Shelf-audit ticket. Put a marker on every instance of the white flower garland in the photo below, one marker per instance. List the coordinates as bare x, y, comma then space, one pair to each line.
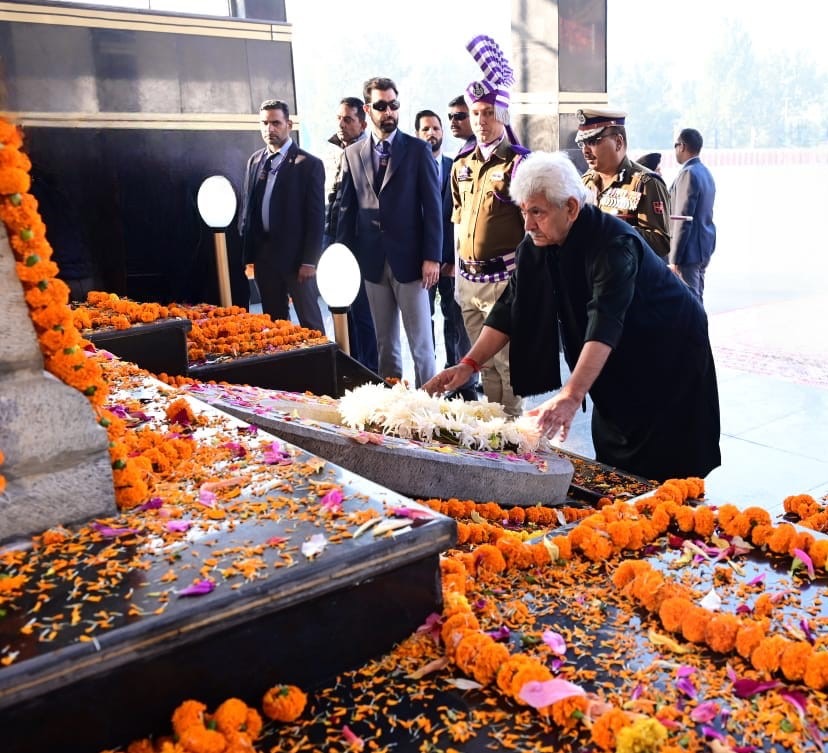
414, 414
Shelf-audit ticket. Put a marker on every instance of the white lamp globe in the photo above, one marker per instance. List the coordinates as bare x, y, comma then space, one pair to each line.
216, 201
338, 276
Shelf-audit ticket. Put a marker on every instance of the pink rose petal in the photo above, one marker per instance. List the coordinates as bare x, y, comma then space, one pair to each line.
539, 694
555, 641
199, 588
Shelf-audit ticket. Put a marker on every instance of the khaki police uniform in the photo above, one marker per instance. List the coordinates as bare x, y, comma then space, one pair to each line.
639, 198
490, 227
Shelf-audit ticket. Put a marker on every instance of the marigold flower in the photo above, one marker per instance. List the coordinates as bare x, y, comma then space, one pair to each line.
199, 739
531, 671
488, 662
606, 727
458, 622
141, 746
642, 736
704, 521
760, 534
768, 653
803, 505
284, 703
819, 553
794, 660
231, 715
188, 714
568, 712
816, 670
694, 624
564, 547
720, 633
627, 571
469, 645
509, 669
488, 561
597, 548
515, 553
620, 533
781, 541
672, 612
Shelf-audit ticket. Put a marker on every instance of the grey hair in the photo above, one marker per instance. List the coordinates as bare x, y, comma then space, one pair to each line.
551, 174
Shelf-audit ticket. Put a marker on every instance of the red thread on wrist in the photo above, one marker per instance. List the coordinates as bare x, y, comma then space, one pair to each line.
470, 362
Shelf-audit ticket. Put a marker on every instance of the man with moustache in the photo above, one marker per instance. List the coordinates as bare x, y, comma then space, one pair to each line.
390, 216
429, 128
281, 219
620, 186
351, 125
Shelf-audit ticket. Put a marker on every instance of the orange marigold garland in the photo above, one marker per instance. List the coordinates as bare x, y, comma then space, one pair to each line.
63, 348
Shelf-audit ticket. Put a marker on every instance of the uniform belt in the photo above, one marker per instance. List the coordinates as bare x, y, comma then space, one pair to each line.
484, 266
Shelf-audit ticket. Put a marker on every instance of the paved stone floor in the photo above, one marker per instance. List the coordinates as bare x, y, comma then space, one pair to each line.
772, 365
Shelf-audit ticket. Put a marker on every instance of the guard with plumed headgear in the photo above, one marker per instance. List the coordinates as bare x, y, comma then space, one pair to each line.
620, 186
491, 226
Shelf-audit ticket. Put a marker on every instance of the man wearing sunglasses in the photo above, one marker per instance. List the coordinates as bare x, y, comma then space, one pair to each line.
620, 186
460, 125
390, 215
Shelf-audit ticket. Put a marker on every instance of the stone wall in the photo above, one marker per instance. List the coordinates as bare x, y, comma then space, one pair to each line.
57, 463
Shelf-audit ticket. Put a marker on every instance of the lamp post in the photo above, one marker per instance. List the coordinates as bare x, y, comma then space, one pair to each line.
217, 205
338, 278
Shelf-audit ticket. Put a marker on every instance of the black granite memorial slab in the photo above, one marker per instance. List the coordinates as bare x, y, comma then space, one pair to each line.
321, 369
106, 639
159, 347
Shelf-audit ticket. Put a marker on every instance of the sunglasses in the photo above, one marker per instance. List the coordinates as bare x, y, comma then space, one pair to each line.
457, 115
591, 142
382, 105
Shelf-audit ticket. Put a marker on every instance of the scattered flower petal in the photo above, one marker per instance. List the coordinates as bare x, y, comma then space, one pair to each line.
555, 641
199, 588
801, 558
314, 546
539, 694
712, 601
746, 688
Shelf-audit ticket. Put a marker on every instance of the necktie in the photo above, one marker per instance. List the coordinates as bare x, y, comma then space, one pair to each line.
384, 151
267, 179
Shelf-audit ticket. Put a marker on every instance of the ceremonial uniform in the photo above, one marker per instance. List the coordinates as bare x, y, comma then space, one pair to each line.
490, 227
638, 197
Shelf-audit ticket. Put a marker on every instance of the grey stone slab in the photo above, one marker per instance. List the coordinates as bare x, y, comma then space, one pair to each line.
37, 501
56, 465
18, 344
421, 470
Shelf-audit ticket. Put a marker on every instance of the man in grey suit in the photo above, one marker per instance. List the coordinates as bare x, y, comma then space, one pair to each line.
390, 215
693, 235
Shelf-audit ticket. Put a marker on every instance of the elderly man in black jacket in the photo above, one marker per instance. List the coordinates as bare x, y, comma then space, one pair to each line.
634, 336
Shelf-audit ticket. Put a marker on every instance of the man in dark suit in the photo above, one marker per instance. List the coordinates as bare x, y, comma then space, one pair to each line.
390, 216
429, 128
693, 236
281, 219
